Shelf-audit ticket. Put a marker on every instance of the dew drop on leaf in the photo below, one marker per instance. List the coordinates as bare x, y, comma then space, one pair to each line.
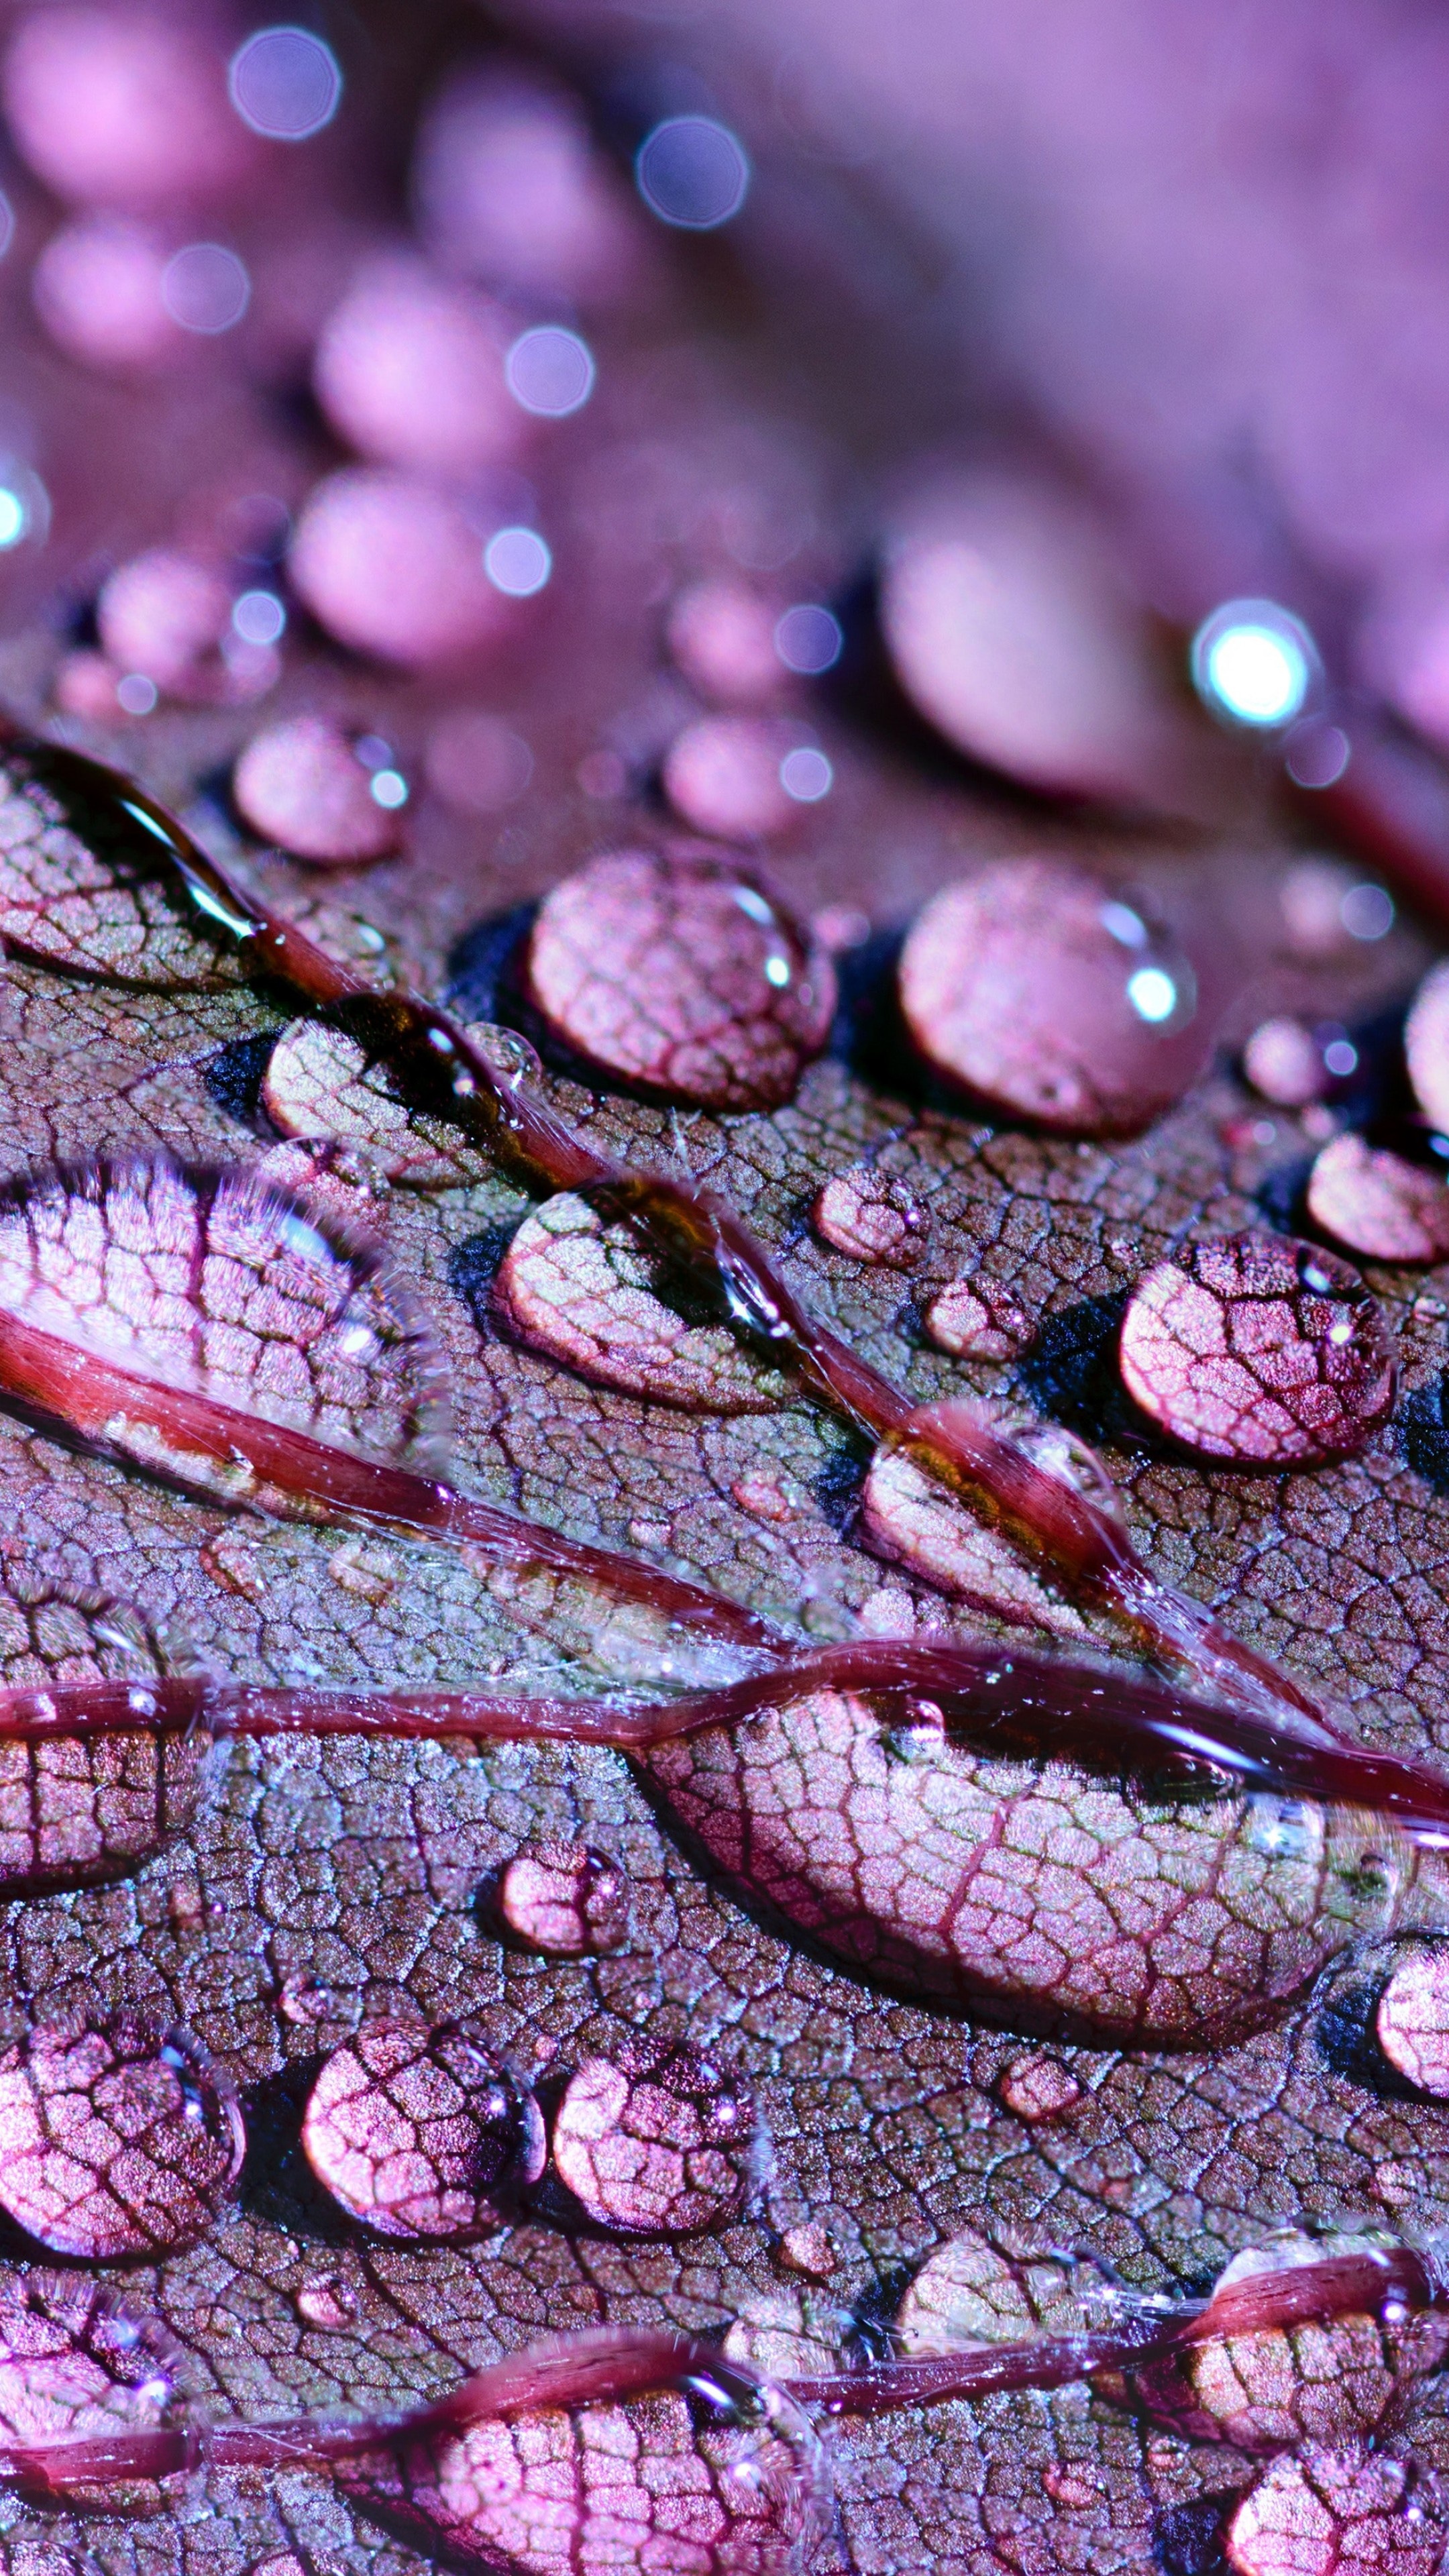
1426, 1045
675, 973
1377, 1204
77, 2363
972, 1318
872, 1216
300, 784
1411, 2019
115, 2140
564, 1899
321, 1082
656, 2141
1048, 997
1259, 1348
1334, 2512
581, 1289
421, 2133
911, 1518
723, 775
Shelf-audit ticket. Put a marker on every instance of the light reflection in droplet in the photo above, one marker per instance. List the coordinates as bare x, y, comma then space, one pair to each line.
1367, 912
1253, 662
24, 505
389, 789
136, 694
806, 775
1152, 993
259, 617
285, 83
808, 639
205, 288
550, 371
1124, 925
692, 173
517, 562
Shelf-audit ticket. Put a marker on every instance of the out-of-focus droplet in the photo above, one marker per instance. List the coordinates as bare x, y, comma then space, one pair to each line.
475, 762
410, 370
517, 561
806, 775
722, 635
1259, 1348
677, 973
115, 2140
808, 639
164, 615
1010, 632
392, 567
1327, 907
724, 775
693, 173
1038, 2087
1049, 997
421, 2133
872, 1216
78, 2363
1378, 1205
97, 290
121, 107
1334, 2512
974, 1318
583, 1290
1254, 663
510, 190
1426, 1046
205, 288
550, 371
656, 2142
301, 784
285, 83
1411, 2019
564, 1899
1284, 1063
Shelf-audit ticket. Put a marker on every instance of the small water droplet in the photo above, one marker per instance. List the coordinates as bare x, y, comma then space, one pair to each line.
328, 2304
1038, 2087
872, 1216
564, 1899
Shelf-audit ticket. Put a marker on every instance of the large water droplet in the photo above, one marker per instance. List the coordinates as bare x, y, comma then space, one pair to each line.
1048, 997
116, 2140
582, 1290
657, 2141
421, 2132
1335, 2512
322, 1082
677, 974
1255, 1347
1377, 1204
1411, 2019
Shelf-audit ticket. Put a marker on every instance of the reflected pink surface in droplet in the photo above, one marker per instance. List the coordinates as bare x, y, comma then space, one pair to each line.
165, 614
302, 785
421, 2133
508, 189
98, 290
409, 370
1284, 1063
974, 1318
723, 775
677, 973
118, 2140
871, 1216
722, 635
656, 2141
1259, 1348
1049, 997
121, 106
392, 567
564, 1899
1330, 2512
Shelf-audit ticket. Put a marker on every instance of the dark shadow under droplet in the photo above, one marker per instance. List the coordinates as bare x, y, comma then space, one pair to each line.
277, 2183
1424, 1435
838, 1482
1188, 2539
1071, 1371
472, 1268
483, 971
234, 1077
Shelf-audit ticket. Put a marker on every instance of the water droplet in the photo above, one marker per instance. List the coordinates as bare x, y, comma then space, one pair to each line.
121, 109
78, 2363
164, 616
909, 1515
1284, 1063
807, 2249
656, 2141
1330, 2511
1254, 663
322, 1082
722, 635
421, 2133
968, 2292
327, 2304
725, 775
1041, 1892
115, 2140
391, 566
301, 784
303, 2000
974, 1318
1259, 1348
1015, 985
1010, 630
410, 371
1411, 2020
871, 1215
581, 1290
1038, 2088
1377, 1204
1426, 1046
693, 173
653, 969
564, 1899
